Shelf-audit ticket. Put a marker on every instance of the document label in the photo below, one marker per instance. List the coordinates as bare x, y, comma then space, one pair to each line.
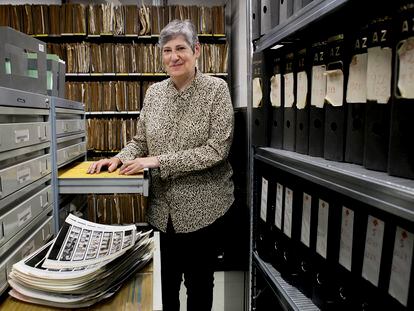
263, 200
301, 89
318, 91
373, 249
347, 234
335, 87
322, 236
401, 265
379, 74
306, 219
356, 91
257, 93
279, 205
406, 69
289, 95
287, 223
275, 88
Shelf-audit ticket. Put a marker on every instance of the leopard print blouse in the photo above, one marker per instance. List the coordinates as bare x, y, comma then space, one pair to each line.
190, 132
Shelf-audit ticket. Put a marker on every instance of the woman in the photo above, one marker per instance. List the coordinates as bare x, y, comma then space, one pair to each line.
184, 135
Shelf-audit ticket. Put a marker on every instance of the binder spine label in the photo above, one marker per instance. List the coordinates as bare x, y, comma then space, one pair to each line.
345, 245
379, 70
306, 219
335, 87
322, 232
275, 91
373, 249
401, 265
279, 205
318, 86
263, 200
289, 95
287, 219
301, 89
356, 91
405, 55
379, 64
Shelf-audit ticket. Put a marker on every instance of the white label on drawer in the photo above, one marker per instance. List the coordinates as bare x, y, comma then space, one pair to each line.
373, 250
24, 216
41, 48
318, 90
279, 205
401, 265
263, 200
23, 175
21, 136
347, 233
306, 219
322, 236
28, 249
287, 224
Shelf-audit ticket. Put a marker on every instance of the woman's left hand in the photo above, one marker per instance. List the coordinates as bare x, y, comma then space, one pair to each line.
136, 165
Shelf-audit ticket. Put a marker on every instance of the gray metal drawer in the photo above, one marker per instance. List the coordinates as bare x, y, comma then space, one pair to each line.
20, 175
71, 152
36, 240
70, 126
17, 218
17, 135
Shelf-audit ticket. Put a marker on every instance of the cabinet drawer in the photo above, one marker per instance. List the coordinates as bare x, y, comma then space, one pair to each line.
70, 126
20, 175
16, 219
71, 152
36, 240
17, 135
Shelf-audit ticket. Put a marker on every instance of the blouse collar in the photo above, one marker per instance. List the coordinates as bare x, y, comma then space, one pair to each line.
187, 92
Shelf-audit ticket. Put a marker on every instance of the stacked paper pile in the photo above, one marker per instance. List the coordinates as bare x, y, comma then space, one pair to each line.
85, 263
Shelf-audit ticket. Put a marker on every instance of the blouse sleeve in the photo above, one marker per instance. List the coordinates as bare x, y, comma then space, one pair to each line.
137, 147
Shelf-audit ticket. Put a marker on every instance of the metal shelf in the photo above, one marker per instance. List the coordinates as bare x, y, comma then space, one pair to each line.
290, 298
391, 194
99, 113
310, 13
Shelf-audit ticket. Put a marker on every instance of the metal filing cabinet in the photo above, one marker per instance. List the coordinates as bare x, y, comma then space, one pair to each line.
69, 145
26, 198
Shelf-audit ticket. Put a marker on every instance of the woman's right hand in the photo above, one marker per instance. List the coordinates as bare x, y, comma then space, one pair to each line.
111, 163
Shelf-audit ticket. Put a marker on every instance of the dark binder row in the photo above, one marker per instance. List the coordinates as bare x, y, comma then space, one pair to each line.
341, 253
345, 95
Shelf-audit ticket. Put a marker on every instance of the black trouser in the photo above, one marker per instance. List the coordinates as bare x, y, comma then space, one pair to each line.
193, 255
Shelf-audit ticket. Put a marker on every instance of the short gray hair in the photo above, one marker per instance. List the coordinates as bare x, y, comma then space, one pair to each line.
177, 28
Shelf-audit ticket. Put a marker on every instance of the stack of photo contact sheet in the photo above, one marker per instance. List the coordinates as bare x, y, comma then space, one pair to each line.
84, 264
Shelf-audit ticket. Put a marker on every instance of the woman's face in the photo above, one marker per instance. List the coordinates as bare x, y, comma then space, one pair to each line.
178, 57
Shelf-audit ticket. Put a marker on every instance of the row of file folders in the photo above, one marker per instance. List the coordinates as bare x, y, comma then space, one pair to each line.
346, 97
108, 96
88, 57
108, 19
341, 253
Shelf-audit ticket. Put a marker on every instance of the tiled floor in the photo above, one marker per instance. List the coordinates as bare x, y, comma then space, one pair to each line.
228, 292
